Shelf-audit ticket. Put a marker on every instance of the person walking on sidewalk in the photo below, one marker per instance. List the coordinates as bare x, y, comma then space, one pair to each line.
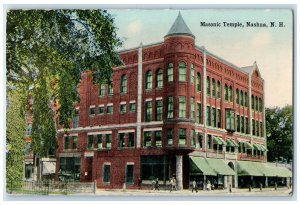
194, 184
172, 184
156, 184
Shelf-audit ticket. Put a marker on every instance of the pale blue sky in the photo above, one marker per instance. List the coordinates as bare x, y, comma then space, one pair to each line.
271, 48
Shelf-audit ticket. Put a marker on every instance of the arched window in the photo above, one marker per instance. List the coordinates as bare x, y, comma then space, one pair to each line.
123, 87
159, 78
219, 89
230, 94
226, 92
213, 89
246, 100
170, 72
242, 98
237, 93
192, 74
208, 86
182, 72
198, 82
148, 80
252, 102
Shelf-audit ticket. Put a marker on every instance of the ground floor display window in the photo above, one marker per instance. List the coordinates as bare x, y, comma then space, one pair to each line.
69, 169
153, 167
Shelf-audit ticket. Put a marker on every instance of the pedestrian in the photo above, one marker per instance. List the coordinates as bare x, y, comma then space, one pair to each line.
208, 186
174, 184
153, 184
171, 184
140, 183
156, 184
194, 184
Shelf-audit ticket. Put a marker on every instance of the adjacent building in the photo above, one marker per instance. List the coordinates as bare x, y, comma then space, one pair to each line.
173, 109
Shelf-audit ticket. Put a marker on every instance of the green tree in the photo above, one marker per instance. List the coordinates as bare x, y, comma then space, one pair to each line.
15, 130
60, 41
43, 124
279, 127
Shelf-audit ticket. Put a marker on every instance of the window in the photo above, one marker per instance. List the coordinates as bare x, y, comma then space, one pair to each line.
238, 125
182, 72
230, 94
102, 90
260, 105
213, 88
109, 109
170, 72
182, 137
147, 139
110, 90
121, 140
132, 107
159, 78
198, 118
242, 98
256, 129
123, 87
237, 93
90, 142
229, 115
253, 127
198, 82
209, 141
182, 106
192, 138
101, 110
170, 136
148, 113
170, 107
252, 102
148, 80
208, 86
99, 144
242, 123
106, 173
108, 141
157, 135
131, 139
200, 138
219, 118
70, 166
158, 114
261, 129
92, 111
256, 103
192, 74
192, 108
129, 173
154, 166
247, 125
246, 100
213, 119
75, 119
66, 142
122, 108
226, 92
218, 89
208, 116
74, 142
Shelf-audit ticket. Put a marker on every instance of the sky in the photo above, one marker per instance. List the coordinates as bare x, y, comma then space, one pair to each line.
271, 48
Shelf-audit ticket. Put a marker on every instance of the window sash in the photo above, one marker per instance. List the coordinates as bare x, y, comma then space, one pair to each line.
182, 72
198, 82
66, 142
106, 173
100, 110
192, 74
132, 107
149, 80
170, 108
148, 113
157, 135
170, 136
147, 139
192, 108
182, 107
170, 72
90, 143
123, 84
182, 136
159, 79
158, 110
109, 109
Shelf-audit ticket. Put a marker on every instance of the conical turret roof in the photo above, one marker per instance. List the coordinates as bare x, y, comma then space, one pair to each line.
179, 27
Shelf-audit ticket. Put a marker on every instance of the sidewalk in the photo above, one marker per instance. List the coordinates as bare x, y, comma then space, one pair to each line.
235, 192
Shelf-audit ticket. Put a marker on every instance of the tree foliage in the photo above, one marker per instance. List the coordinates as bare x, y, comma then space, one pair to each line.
279, 127
64, 42
15, 129
43, 127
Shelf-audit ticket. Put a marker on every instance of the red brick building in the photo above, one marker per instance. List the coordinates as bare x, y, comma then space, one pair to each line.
173, 109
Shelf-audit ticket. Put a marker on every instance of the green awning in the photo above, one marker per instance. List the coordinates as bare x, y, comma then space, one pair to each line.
257, 147
246, 168
219, 140
248, 145
231, 143
263, 148
200, 166
219, 166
